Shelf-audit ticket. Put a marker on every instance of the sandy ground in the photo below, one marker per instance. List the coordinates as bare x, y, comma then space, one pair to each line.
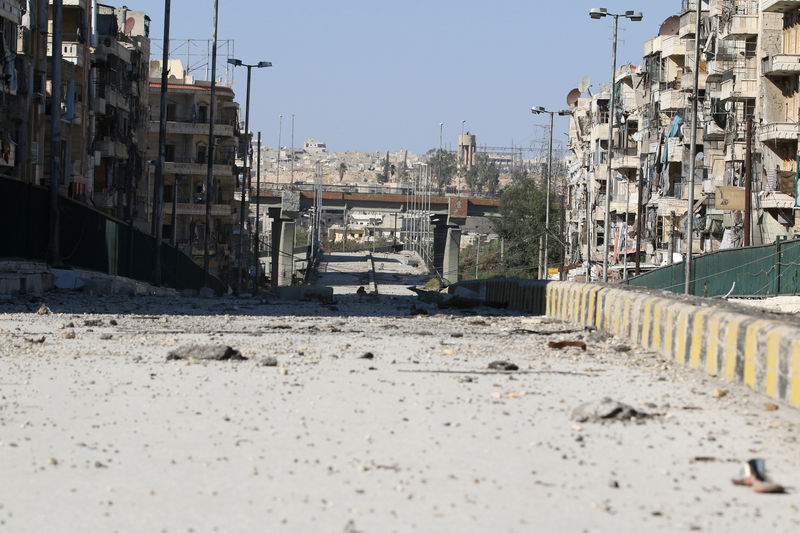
778, 304
101, 433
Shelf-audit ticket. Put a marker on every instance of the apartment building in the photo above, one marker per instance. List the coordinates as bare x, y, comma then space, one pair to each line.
185, 170
749, 78
121, 105
13, 101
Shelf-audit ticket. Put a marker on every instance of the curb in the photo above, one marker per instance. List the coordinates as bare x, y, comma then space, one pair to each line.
740, 345
753, 349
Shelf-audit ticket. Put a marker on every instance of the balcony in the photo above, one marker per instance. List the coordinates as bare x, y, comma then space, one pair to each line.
109, 148
672, 46
600, 131
198, 209
672, 100
193, 128
779, 6
740, 84
735, 152
191, 168
114, 98
781, 65
675, 150
740, 27
72, 52
778, 131
625, 160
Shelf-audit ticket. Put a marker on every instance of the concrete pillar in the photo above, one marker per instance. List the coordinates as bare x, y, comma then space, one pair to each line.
439, 223
451, 252
286, 255
275, 245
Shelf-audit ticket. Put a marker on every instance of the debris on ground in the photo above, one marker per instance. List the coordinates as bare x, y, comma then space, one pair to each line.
606, 410
769, 406
269, 361
621, 348
44, 310
205, 352
68, 333
558, 345
368, 355
720, 393
505, 366
754, 474
361, 291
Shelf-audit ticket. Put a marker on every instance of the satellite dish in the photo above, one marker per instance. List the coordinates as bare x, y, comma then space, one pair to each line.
637, 136
700, 157
573, 96
671, 26
584, 83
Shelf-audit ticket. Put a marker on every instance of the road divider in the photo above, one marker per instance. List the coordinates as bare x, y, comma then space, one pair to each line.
742, 345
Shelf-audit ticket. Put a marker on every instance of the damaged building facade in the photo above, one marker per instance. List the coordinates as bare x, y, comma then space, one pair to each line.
186, 166
749, 75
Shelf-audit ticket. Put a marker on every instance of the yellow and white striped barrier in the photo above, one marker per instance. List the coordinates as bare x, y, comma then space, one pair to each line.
740, 346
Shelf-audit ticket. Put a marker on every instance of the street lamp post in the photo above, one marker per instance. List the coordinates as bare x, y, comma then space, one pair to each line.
635, 16
561, 113
246, 178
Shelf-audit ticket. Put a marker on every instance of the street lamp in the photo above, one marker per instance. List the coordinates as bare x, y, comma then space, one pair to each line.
246, 178
538, 110
634, 16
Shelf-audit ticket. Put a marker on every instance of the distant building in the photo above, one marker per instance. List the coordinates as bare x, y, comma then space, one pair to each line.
315, 147
186, 165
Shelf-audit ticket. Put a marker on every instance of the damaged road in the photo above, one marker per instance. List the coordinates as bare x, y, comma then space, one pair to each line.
420, 435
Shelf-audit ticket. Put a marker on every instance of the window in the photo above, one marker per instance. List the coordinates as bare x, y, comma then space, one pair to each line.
169, 152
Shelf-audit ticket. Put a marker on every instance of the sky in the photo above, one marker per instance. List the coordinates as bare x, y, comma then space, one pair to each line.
375, 76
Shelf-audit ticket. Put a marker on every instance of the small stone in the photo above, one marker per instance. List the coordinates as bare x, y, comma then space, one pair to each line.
505, 366
606, 410
44, 310
269, 361
622, 348
112, 322
283, 371
368, 355
614, 484
769, 406
205, 352
105, 336
720, 393
68, 334
447, 351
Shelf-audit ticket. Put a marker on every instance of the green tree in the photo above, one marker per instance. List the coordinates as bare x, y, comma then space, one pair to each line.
383, 177
521, 222
342, 170
484, 175
444, 165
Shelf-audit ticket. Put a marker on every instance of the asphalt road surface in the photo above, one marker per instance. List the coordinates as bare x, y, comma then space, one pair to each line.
377, 418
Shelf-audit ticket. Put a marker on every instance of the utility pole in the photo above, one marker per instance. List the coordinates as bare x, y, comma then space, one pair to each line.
291, 173
256, 243
278, 166
210, 172
635, 16
611, 116
55, 132
639, 221
693, 154
748, 181
158, 186
477, 254
245, 183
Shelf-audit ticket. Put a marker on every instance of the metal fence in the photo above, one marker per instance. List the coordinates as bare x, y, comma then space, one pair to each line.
89, 239
756, 271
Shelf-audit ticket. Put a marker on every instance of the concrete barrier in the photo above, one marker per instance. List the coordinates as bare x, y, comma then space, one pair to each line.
742, 345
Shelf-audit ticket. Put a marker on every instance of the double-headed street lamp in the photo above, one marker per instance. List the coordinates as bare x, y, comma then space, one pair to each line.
562, 113
246, 178
635, 16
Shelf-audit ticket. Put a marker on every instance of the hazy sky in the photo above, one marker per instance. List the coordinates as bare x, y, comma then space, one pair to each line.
376, 76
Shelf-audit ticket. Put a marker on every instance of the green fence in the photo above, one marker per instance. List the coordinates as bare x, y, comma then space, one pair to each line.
756, 271
89, 239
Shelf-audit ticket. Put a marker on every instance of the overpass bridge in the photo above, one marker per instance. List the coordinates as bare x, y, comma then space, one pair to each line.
377, 199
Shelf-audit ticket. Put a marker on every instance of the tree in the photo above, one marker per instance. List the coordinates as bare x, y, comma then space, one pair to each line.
521, 222
342, 170
483, 176
444, 166
383, 177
